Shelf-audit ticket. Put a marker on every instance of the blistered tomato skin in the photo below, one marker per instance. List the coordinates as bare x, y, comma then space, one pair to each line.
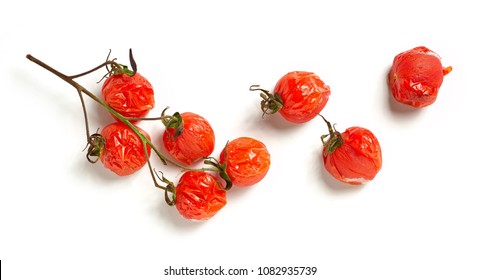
247, 161
196, 141
198, 196
416, 76
131, 96
303, 94
353, 157
358, 160
123, 152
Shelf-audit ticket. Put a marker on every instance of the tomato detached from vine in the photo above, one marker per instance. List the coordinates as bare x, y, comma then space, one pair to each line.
299, 96
123, 151
354, 156
246, 161
188, 137
416, 76
199, 195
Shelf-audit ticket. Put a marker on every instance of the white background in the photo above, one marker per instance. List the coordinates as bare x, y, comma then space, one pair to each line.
63, 218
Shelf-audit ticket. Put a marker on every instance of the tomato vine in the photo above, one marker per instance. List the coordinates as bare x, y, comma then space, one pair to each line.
198, 194
95, 140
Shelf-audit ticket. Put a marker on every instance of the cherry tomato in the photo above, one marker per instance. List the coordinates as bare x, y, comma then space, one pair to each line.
131, 96
354, 156
189, 138
123, 152
299, 96
198, 195
247, 161
416, 76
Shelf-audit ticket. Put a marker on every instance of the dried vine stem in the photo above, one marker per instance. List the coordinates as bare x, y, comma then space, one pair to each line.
169, 188
82, 90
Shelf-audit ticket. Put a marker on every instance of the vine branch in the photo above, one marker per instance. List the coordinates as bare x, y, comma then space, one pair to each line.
80, 89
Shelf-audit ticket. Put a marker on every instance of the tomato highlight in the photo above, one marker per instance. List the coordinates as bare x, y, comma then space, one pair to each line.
247, 161
354, 156
131, 96
123, 152
188, 137
299, 96
198, 195
416, 76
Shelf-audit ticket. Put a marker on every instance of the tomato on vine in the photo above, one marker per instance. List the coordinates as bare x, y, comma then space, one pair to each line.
299, 96
246, 161
416, 76
188, 137
123, 151
199, 195
353, 156
128, 92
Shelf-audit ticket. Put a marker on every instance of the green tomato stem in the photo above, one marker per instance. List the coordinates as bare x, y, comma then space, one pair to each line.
335, 139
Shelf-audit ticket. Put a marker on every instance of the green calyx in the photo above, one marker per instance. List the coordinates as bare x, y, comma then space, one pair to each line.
221, 168
271, 103
175, 121
122, 69
334, 141
96, 146
170, 190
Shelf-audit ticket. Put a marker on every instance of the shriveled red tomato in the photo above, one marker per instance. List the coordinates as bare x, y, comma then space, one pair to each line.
198, 195
247, 161
131, 96
188, 137
298, 96
416, 76
123, 152
353, 156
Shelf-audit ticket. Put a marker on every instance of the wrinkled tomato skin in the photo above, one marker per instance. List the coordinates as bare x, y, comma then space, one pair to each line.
303, 94
196, 141
123, 153
198, 196
247, 161
358, 160
416, 76
131, 96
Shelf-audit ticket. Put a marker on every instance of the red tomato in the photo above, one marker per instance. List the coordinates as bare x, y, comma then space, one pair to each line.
131, 96
194, 141
299, 96
198, 195
354, 156
247, 161
416, 76
123, 152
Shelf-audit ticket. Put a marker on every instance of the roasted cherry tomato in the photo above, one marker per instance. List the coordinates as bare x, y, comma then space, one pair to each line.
188, 137
416, 76
354, 156
123, 152
247, 161
299, 96
198, 195
131, 96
